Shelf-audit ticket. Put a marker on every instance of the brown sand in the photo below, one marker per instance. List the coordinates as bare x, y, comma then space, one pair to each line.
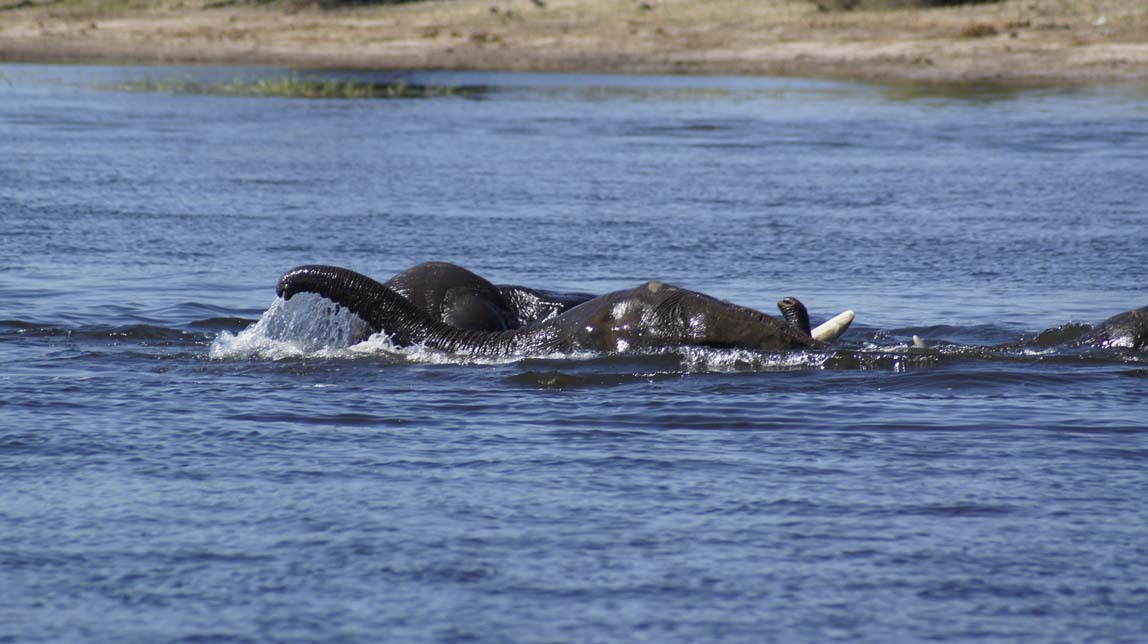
1016, 42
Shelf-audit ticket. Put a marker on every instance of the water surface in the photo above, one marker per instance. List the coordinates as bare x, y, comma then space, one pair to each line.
169, 476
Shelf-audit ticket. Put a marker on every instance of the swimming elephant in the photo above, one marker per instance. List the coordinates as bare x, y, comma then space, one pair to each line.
1123, 330
653, 315
1128, 329
463, 299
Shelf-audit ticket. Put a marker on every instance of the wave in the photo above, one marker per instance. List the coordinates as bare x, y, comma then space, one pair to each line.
309, 326
91, 332
198, 330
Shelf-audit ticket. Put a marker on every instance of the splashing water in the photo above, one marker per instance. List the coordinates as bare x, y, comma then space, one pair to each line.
310, 326
709, 360
305, 325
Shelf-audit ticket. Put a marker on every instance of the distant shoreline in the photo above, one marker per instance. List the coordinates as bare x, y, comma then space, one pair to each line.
1026, 42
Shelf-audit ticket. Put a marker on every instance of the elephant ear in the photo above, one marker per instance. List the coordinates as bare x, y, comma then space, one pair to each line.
534, 305
466, 309
454, 295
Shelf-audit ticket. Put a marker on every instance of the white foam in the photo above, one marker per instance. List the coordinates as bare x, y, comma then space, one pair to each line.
310, 326
1120, 341
708, 360
305, 325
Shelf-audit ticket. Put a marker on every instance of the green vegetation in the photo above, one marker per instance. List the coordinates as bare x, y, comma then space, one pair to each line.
108, 6
322, 4
119, 6
295, 87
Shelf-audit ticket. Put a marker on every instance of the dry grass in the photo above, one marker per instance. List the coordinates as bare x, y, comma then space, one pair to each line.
978, 30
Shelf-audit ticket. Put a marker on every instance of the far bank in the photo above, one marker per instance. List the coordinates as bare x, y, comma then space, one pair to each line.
1023, 42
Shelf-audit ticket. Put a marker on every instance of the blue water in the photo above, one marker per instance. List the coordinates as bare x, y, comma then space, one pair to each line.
168, 472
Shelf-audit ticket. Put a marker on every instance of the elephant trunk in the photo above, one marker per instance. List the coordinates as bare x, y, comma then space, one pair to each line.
385, 310
795, 313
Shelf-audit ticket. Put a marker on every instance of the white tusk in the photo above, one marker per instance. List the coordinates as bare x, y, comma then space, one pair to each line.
831, 330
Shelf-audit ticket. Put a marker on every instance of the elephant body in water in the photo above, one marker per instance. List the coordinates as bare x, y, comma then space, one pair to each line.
462, 299
447, 308
1128, 329
450, 308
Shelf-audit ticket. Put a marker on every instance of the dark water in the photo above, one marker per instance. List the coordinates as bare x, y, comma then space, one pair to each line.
166, 475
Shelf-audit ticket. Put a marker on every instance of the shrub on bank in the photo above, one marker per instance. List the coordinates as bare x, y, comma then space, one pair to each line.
880, 5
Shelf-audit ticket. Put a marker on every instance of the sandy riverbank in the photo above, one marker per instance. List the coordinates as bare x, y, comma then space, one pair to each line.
1016, 41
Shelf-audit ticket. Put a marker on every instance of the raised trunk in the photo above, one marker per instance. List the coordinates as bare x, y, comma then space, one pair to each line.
387, 311
795, 313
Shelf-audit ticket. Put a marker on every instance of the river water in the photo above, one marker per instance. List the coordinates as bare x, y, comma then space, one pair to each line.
168, 473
